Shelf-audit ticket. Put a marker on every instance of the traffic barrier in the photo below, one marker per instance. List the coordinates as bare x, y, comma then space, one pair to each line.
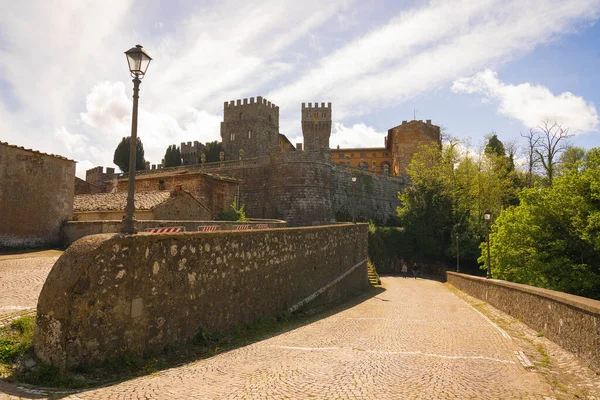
242, 227
208, 228
165, 230
262, 226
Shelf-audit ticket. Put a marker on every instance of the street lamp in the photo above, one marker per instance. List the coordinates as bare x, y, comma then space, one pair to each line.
138, 61
487, 215
353, 185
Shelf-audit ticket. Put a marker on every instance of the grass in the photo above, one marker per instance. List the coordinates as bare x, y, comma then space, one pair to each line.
16, 342
16, 339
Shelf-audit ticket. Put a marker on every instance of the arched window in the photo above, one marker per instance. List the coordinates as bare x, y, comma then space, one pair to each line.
250, 134
385, 168
241, 116
269, 117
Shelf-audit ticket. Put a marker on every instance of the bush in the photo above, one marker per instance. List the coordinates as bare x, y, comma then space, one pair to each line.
234, 213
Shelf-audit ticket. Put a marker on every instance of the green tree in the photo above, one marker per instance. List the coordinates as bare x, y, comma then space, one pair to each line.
552, 239
212, 150
173, 156
234, 213
495, 146
121, 155
571, 158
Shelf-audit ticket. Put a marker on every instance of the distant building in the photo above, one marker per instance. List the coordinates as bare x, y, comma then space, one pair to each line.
190, 153
152, 205
97, 177
401, 143
214, 191
84, 187
36, 196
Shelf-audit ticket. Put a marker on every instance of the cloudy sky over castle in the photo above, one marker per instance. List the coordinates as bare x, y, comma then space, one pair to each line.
470, 66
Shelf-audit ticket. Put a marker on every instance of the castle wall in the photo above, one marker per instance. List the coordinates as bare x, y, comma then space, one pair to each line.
406, 139
36, 196
372, 196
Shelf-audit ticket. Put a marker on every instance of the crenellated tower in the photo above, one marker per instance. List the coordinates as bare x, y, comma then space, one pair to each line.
316, 126
249, 125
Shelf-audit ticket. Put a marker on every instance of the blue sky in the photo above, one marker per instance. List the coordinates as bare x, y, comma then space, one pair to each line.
471, 66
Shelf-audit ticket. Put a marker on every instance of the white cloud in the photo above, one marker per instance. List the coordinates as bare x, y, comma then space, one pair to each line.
427, 47
531, 104
357, 135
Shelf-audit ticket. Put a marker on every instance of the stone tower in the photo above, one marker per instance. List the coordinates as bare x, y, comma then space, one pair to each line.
190, 153
252, 126
316, 126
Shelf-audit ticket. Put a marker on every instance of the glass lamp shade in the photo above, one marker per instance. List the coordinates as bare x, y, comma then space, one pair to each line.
487, 215
138, 60
353, 179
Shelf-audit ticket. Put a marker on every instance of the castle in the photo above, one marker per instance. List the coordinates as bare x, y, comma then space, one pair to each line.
309, 183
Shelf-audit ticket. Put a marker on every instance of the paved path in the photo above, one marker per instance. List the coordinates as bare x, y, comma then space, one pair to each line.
21, 281
415, 340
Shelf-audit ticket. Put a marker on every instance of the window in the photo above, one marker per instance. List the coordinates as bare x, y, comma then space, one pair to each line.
363, 155
374, 154
241, 116
352, 155
341, 155
250, 134
385, 154
232, 136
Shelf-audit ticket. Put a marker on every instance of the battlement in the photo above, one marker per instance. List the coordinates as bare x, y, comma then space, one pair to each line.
249, 102
316, 106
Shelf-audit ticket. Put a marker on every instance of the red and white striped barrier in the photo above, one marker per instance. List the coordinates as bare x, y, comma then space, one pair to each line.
208, 228
164, 230
242, 227
262, 226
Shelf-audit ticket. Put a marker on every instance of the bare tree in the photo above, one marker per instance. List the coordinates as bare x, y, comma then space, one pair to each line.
532, 158
551, 144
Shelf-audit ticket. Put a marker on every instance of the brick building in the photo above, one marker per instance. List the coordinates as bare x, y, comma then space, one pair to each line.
36, 196
215, 192
401, 143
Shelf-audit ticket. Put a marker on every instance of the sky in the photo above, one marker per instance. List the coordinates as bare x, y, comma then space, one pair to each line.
471, 66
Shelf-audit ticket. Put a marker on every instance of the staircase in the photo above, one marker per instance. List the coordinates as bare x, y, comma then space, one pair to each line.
372, 273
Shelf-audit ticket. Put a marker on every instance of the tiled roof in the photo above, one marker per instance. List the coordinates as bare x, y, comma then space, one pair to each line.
117, 201
35, 151
185, 173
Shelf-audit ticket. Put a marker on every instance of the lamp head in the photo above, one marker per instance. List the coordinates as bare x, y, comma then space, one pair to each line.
138, 61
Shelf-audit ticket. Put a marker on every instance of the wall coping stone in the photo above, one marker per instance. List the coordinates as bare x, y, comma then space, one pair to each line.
590, 305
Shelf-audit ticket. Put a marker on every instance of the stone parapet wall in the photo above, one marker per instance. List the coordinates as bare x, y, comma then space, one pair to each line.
74, 230
114, 294
572, 322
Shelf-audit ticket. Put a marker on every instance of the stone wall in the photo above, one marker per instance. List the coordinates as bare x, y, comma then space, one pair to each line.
83, 187
74, 230
373, 196
114, 294
36, 196
571, 321
182, 207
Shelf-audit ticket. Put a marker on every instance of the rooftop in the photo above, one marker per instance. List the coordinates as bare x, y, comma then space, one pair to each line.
117, 201
35, 151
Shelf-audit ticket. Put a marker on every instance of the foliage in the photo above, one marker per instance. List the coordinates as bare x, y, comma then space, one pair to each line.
385, 244
495, 146
212, 151
234, 213
121, 156
16, 338
173, 156
552, 239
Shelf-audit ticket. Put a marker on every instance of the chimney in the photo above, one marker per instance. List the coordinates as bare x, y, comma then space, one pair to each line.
428, 122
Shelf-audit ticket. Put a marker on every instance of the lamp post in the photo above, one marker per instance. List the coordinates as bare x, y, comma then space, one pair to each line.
353, 185
488, 216
138, 61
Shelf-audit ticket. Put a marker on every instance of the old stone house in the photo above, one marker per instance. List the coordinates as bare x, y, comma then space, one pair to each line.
149, 205
36, 196
214, 191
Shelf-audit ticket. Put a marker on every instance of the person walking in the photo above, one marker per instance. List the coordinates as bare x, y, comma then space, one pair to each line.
415, 269
404, 269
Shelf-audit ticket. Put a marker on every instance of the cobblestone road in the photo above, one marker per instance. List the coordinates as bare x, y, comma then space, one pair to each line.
21, 281
414, 340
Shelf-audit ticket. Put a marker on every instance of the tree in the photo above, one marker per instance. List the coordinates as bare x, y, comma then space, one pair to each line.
173, 156
552, 239
532, 157
121, 156
571, 158
212, 150
495, 146
551, 144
